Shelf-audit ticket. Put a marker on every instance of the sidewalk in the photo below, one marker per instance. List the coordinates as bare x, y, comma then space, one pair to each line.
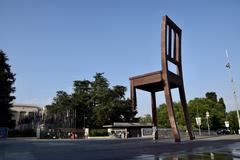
121, 149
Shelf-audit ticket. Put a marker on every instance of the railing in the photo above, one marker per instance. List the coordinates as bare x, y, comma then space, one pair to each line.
167, 133
61, 133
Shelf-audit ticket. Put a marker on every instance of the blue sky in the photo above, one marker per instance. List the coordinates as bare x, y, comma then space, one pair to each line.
52, 43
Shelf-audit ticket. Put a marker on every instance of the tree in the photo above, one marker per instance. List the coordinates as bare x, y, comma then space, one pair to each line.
92, 104
100, 97
199, 107
110, 104
100, 89
146, 119
81, 102
233, 121
162, 116
212, 96
221, 102
163, 119
7, 79
59, 113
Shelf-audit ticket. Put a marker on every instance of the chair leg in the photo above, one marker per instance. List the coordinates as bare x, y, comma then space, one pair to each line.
133, 96
171, 114
186, 113
154, 115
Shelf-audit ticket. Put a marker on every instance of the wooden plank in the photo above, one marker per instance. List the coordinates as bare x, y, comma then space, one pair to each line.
154, 112
174, 61
169, 42
147, 79
172, 24
186, 113
171, 114
174, 46
133, 96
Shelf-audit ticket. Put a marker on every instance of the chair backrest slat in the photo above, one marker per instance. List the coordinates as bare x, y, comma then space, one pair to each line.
174, 45
171, 45
169, 42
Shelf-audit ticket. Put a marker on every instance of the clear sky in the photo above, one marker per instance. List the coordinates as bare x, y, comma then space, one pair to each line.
51, 43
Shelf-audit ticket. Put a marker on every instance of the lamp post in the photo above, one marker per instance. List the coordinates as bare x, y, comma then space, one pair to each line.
234, 90
199, 122
207, 117
227, 124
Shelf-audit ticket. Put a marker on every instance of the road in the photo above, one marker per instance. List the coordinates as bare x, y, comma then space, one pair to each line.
225, 147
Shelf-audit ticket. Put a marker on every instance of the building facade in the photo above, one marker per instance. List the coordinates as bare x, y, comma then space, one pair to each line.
26, 116
129, 129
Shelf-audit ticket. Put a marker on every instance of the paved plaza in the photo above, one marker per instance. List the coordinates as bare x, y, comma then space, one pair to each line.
226, 147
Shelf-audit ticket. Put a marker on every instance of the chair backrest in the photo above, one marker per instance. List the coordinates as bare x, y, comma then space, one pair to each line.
170, 45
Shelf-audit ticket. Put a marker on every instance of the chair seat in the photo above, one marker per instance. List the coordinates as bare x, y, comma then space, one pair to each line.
153, 81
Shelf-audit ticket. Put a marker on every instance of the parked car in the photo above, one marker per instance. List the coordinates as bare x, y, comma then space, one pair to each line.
223, 131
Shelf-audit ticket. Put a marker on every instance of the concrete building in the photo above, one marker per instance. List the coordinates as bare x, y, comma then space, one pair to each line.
25, 116
126, 130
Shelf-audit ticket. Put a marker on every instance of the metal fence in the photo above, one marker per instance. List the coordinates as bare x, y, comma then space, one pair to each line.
167, 133
61, 133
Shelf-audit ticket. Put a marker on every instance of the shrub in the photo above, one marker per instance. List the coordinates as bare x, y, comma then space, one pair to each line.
98, 132
22, 133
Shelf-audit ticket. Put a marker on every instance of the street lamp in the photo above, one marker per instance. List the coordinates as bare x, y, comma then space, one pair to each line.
198, 121
207, 117
227, 124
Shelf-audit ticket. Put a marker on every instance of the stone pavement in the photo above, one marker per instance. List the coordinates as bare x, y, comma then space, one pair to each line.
120, 149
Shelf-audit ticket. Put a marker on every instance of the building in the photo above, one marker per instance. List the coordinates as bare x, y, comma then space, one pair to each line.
26, 116
125, 130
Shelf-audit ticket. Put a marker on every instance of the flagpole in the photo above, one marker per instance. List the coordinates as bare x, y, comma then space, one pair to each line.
228, 65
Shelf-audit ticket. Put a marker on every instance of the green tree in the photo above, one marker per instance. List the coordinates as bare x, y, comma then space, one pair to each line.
162, 116
233, 121
147, 118
7, 79
100, 89
119, 108
60, 113
212, 96
110, 103
100, 97
92, 104
81, 102
221, 102
199, 107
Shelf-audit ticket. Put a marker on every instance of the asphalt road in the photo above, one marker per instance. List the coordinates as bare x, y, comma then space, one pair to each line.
221, 147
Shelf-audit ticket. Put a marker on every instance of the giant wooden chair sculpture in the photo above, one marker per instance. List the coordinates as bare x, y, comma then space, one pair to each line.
165, 79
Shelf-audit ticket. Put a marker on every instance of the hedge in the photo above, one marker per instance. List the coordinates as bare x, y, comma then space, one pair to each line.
98, 132
22, 133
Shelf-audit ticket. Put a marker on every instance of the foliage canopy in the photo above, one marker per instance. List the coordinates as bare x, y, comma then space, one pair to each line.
92, 104
197, 107
7, 79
